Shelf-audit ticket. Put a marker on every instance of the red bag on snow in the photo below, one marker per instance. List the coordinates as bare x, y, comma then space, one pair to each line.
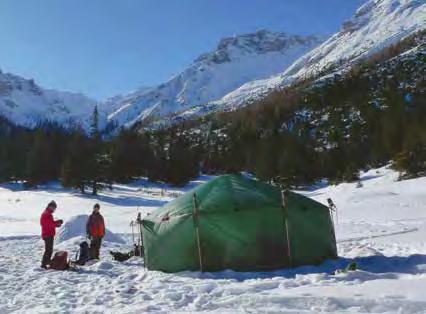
59, 261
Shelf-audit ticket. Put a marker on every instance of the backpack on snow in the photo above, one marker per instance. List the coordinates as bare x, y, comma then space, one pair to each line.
60, 261
82, 255
121, 257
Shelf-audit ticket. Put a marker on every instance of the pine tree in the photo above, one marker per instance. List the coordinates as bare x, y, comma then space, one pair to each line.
39, 166
182, 164
130, 156
99, 158
101, 177
75, 168
411, 161
94, 125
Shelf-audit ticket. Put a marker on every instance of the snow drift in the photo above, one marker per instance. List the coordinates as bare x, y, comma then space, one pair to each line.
76, 227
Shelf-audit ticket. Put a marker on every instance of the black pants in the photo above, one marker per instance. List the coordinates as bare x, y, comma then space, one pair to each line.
95, 246
48, 251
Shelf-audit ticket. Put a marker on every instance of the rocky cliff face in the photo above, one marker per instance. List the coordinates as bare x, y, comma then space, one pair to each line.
211, 76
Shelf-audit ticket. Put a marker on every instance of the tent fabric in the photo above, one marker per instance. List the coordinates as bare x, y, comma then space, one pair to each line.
234, 222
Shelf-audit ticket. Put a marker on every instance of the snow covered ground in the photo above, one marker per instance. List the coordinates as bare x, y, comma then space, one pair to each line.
381, 225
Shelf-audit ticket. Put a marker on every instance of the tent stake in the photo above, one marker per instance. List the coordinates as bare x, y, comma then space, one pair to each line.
195, 215
284, 199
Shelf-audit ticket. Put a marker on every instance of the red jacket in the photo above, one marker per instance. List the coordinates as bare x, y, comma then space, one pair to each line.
48, 224
95, 226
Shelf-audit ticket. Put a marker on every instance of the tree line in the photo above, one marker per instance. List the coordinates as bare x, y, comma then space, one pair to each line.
91, 161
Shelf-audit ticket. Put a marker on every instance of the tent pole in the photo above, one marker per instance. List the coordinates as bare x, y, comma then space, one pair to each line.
284, 198
195, 215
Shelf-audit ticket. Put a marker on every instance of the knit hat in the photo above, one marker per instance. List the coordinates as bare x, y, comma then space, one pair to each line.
52, 204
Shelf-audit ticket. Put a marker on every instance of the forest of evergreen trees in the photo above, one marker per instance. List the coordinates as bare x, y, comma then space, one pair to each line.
90, 162
368, 117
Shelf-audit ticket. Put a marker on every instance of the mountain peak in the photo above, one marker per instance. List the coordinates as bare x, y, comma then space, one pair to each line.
236, 61
376, 25
260, 42
25, 103
376, 10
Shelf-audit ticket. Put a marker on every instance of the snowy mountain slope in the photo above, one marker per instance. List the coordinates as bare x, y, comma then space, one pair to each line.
114, 103
381, 226
24, 103
236, 61
376, 25
241, 70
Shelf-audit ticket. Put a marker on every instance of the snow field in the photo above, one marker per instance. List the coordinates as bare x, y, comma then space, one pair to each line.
382, 226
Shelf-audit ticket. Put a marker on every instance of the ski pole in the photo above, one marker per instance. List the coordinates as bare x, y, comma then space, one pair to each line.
133, 232
139, 221
333, 208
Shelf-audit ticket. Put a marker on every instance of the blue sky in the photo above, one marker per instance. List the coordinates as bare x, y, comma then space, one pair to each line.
106, 47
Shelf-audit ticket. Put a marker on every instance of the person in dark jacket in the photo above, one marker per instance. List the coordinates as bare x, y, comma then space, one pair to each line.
48, 226
95, 229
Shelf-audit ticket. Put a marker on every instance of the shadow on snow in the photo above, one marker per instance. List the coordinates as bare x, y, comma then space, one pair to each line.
369, 268
123, 199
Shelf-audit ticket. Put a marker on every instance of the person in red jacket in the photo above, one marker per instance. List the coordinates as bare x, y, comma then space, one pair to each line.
48, 226
95, 229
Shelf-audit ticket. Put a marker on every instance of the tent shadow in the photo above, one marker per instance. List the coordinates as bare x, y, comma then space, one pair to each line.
369, 268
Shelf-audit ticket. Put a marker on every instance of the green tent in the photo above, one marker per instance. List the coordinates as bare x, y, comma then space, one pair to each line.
233, 222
